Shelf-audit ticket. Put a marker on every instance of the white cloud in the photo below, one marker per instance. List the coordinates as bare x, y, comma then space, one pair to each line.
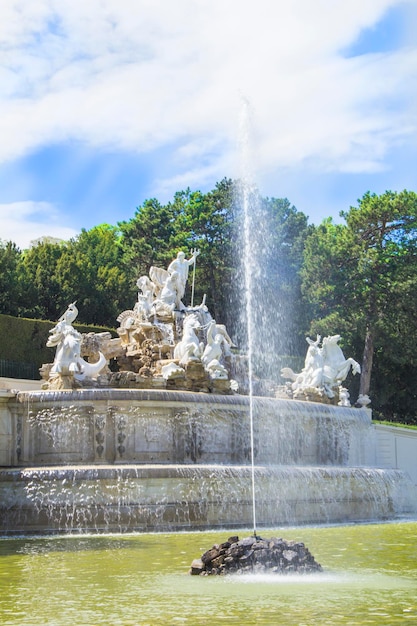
140, 74
21, 222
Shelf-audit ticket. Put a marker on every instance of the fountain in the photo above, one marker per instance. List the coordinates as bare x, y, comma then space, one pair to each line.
166, 442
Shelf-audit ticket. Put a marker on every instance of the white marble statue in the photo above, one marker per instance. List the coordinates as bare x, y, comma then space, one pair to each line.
143, 306
170, 293
336, 367
161, 332
169, 285
312, 373
172, 370
189, 347
217, 346
324, 370
67, 340
216, 370
180, 266
161, 293
344, 396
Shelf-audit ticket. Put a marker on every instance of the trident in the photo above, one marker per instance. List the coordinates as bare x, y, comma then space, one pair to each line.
194, 252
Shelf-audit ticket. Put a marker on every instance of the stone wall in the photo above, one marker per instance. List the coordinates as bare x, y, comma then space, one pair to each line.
148, 426
397, 449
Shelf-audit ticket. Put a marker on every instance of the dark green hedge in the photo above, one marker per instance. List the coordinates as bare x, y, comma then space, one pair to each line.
24, 340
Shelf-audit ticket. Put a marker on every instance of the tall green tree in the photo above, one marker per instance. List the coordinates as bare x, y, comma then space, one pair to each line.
91, 271
148, 238
284, 239
275, 233
40, 287
205, 222
193, 220
9, 278
362, 275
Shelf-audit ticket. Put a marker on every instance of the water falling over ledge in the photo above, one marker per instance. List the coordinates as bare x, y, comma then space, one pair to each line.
138, 460
140, 498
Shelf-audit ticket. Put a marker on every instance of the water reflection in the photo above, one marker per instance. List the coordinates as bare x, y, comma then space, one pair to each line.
369, 577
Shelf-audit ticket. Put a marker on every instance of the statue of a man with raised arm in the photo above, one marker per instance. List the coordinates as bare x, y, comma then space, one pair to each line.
181, 266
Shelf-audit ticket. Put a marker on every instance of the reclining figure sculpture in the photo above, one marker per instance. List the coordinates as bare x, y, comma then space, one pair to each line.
68, 366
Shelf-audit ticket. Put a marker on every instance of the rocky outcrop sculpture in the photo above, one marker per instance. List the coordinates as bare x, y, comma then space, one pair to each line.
325, 369
163, 344
166, 344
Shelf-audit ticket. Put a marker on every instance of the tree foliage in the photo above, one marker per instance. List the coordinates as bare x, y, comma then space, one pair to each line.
193, 220
9, 278
357, 278
41, 288
361, 277
271, 241
283, 244
91, 272
148, 237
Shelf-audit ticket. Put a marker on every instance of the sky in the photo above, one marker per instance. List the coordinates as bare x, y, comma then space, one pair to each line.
106, 103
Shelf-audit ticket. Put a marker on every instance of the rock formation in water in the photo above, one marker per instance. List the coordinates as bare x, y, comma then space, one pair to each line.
255, 555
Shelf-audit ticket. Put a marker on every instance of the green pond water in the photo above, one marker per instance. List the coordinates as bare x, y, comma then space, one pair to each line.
369, 577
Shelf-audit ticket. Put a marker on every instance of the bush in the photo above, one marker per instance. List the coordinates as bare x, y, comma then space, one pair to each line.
24, 340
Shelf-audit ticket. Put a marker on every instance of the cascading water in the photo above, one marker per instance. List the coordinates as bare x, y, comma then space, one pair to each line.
158, 460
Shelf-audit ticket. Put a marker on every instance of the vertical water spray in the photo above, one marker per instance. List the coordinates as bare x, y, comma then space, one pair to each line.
248, 197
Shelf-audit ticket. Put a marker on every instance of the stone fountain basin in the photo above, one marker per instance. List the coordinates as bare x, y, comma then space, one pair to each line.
112, 426
139, 498
103, 460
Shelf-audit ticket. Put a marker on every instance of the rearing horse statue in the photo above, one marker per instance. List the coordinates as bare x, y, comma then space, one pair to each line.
336, 367
189, 347
325, 367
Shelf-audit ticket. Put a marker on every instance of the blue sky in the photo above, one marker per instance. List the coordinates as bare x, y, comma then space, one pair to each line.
106, 103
